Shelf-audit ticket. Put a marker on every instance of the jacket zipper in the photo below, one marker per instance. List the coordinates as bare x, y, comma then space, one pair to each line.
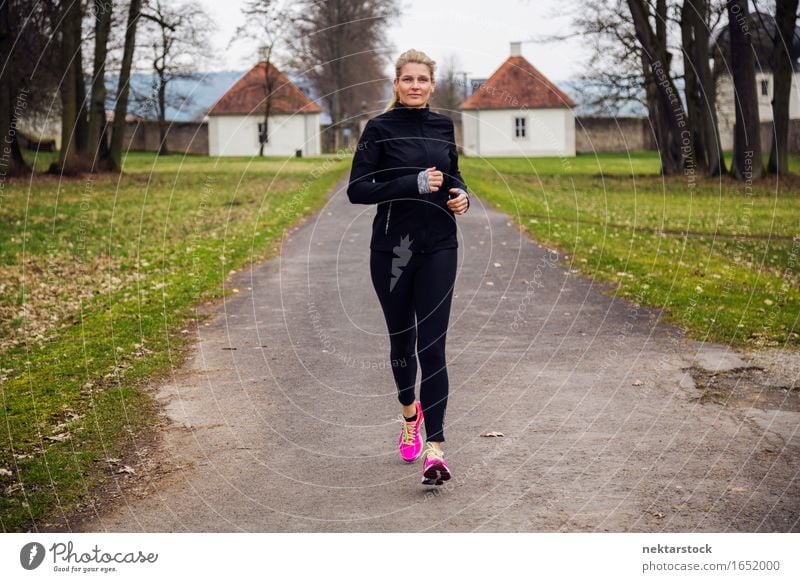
428, 162
388, 214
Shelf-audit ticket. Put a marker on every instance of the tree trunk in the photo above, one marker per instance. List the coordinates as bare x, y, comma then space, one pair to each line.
651, 96
270, 78
81, 113
785, 18
11, 162
747, 163
97, 106
121, 108
690, 22
670, 114
69, 158
714, 154
162, 114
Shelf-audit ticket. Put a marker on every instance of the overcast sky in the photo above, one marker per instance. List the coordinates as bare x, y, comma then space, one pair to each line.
477, 31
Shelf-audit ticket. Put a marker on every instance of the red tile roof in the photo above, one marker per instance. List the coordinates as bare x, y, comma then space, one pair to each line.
249, 96
517, 83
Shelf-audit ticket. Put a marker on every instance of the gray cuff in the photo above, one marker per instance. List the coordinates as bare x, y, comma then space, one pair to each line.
422, 182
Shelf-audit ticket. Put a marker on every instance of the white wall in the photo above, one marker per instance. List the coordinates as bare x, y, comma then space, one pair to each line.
490, 132
726, 109
237, 135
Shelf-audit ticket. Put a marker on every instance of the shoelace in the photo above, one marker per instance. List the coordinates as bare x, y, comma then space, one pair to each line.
409, 431
434, 452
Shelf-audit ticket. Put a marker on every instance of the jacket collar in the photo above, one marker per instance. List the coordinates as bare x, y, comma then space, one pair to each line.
411, 112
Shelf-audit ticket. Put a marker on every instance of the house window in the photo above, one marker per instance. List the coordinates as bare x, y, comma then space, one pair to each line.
262, 133
519, 127
765, 87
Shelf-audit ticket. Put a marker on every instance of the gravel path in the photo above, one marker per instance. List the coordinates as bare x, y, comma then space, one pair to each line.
283, 419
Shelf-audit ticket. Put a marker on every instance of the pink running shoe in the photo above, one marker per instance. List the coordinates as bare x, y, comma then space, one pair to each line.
435, 471
410, 442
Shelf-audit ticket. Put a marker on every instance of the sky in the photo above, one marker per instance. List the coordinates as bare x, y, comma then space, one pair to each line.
477, 31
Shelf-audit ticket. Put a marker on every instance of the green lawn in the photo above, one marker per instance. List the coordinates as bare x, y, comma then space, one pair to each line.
722, 258
98, 279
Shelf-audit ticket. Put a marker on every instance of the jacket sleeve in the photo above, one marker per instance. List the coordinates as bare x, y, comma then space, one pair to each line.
455, 173
364, 187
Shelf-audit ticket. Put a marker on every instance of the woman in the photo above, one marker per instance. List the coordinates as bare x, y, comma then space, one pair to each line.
407, 163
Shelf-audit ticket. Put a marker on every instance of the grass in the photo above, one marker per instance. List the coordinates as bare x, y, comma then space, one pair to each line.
719, 257
99, 277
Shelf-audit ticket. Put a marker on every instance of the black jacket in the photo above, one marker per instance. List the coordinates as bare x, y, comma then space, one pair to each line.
393, 149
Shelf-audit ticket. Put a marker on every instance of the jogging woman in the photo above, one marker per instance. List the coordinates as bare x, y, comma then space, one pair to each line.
407, 163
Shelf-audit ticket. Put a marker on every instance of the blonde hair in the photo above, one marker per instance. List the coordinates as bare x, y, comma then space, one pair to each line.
410, 56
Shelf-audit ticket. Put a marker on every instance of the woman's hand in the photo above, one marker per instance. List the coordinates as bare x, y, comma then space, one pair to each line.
435, 178
460, 203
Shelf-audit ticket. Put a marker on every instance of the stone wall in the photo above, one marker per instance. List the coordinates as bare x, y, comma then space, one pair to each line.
189, 137
613, 134
794, 136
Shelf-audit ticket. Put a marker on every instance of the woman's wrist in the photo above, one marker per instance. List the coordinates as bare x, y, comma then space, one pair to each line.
422, 182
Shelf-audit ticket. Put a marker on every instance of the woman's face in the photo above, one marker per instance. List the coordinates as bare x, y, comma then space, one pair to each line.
414, 85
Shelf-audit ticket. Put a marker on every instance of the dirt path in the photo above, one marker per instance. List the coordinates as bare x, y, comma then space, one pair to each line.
283, 418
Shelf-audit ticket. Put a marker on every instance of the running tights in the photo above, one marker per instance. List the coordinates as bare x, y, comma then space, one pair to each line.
418, 284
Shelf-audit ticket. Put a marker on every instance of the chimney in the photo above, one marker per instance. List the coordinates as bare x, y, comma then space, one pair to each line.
515, 49
263, 52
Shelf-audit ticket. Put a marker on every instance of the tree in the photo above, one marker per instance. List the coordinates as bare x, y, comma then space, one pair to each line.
669, 116
11, 161
699, 86
267, 21
97, 145
121, 107
747, 162
67, 20
781, 64
342, 48
450, 89
178, 37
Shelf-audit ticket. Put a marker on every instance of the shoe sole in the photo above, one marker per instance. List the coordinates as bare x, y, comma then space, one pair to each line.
436, 474
414, 460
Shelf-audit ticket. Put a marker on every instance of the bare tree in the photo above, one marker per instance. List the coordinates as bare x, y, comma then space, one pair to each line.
782, 59
267, 22
342, 49
67, 20
670, 117
121, 107
450, 89
97, 145
16, 96
747, 163
699, 85
178, 37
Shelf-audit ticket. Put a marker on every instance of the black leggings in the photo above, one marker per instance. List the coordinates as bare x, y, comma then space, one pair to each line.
420, 283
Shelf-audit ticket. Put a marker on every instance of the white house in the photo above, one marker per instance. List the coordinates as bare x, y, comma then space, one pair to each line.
236, 120
763, 31
518, 112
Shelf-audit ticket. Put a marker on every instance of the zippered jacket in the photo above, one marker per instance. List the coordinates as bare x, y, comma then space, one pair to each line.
388, 169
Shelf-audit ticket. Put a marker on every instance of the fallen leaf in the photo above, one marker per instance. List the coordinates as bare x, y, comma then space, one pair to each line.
11, 488
5, 472
638, 383
60, 437
492, 433
125, 469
